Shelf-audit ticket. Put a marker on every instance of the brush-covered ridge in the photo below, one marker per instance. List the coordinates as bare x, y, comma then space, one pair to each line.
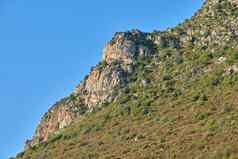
165, 94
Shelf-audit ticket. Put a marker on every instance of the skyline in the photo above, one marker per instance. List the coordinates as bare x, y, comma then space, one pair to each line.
45, 48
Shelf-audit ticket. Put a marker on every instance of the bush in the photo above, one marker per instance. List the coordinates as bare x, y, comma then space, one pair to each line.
205, 58
167, 77
227, 108
232, 57
179, 59
202, 115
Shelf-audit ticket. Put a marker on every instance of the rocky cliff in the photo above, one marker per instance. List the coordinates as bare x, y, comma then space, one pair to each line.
207, 28
178, 58
100, 86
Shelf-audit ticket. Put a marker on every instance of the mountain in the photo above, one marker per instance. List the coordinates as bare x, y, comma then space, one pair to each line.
164, 94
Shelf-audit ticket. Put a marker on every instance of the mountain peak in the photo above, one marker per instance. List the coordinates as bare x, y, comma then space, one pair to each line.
214, 24
100, 86
217, 7
153, 74
125, 47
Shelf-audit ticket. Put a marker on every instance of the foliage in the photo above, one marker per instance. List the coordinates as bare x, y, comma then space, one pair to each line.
186, 109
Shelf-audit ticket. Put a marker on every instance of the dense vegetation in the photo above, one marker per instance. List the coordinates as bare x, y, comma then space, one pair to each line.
181, 103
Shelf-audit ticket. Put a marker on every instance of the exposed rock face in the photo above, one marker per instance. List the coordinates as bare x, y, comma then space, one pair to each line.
212, 2
56, 119
100, 86
207, 28
215, 24
126, 47
59, 116
119, 56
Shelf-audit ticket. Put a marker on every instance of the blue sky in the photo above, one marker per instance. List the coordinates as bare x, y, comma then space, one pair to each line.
48, 46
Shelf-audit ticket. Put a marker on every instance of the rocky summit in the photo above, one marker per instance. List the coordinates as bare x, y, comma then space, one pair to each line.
164, 94
100, 86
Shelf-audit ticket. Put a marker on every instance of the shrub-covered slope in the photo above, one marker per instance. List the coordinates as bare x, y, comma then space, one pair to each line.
170, 94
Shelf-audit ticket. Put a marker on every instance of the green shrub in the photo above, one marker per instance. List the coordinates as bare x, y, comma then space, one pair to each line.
179, 59
202, 115
167, 77
227, 108
205, 58
232, 57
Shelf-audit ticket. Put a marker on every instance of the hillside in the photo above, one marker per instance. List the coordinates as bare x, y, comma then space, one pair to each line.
159, 95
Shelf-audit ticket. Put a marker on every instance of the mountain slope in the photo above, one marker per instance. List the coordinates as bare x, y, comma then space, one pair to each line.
170, 94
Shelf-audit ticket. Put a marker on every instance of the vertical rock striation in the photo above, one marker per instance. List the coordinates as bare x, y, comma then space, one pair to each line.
100, 86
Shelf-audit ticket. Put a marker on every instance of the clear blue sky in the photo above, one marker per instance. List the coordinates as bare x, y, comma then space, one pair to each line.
48, 46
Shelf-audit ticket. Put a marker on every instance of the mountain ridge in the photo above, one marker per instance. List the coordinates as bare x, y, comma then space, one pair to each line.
198, 47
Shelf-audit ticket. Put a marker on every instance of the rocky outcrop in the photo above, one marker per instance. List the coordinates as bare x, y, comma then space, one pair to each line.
59, 115
214, 24
100, 86
207, 28
125, 47
119, 56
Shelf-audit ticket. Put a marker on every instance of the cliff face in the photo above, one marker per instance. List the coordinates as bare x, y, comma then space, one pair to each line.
119, 56
214, 24
126, 47
164, 94
100, 86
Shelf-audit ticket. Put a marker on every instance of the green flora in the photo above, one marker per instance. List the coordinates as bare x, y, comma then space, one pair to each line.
180, 104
